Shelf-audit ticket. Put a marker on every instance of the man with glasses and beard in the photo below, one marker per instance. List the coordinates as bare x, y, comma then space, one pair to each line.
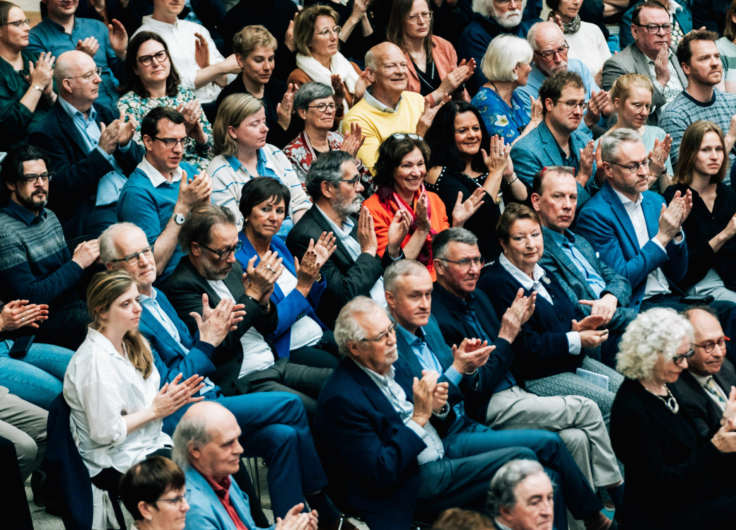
35, 263
355, 269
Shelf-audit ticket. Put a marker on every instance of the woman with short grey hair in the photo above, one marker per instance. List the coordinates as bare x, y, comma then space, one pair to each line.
506, 113
315, 104
656, 439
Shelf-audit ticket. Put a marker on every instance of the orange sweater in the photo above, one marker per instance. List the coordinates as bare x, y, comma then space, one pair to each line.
382, 220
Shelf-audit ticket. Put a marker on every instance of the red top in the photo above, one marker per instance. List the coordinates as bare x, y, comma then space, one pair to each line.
222, 490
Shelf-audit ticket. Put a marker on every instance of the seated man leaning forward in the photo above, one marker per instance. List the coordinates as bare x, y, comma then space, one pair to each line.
207, 449
396, 450
274, 424
210, 236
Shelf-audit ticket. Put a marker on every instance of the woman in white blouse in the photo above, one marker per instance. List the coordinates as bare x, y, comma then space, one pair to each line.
112, 388
242, 154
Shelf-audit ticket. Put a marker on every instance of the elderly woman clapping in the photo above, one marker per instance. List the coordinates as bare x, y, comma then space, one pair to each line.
656, 440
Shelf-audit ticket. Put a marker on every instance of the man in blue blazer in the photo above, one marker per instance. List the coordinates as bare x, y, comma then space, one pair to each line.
90, 147
630, 228
589, 283
274, 424
556, 140
380, 434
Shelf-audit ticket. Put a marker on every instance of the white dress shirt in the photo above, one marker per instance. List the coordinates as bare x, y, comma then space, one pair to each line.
101, 386
574, 345
656, 280
305, 331
180, 40
155, 176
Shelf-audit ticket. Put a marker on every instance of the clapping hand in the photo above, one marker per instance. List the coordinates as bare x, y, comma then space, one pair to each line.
43, 73
127, 129
20, 313
464, 210
587, 159
659, 155
353, 140
661, 66
499, 155
441, 391
201, 51
517, 315
259, 280
175, 395
339, 88
285, 108
88, 46
296, 520
397, 232
470, 355
324, 248
118, 38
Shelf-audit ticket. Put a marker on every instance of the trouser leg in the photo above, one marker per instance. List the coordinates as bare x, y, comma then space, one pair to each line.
25, 425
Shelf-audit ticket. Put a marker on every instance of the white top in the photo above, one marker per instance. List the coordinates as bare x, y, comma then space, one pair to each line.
180, 40
305, 331
229, 176
257, 354
589, 45
656, 280
155, 176
101, 386
574, 345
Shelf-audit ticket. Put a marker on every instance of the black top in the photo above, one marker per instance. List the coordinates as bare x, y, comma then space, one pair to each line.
429, 81
273, 93
483, 222
700, 227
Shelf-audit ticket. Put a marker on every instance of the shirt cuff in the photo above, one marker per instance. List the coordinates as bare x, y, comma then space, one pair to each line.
444, 411
453, 376
574, 346
681, 241
656, 242
124, 149
418, 429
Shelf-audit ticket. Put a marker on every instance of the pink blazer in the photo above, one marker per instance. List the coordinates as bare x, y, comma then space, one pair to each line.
445, 58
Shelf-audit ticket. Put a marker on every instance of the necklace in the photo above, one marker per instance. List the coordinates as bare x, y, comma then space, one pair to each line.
671, 403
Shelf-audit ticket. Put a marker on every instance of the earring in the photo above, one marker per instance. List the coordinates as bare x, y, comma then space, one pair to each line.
149, 517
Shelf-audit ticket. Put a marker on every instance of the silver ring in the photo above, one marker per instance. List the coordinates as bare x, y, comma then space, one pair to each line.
22, 319
269, 268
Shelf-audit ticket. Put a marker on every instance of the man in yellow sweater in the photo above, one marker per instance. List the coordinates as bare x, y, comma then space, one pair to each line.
387, 107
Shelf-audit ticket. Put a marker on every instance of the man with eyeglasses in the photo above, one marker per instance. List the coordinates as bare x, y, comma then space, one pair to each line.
163, 189
491, 18
708, 384
557, 140
35, 262
649, 55
61, 31
701, 61
250, 364
90, 148
492, 385
681, 18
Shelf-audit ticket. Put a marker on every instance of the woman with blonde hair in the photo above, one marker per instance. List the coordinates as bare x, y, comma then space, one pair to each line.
112, 388
631, 97
242, 154
711, 225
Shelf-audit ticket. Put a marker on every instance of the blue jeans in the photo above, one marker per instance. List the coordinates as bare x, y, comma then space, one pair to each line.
39, 376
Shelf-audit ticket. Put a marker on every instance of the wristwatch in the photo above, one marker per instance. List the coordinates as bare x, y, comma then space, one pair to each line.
39, 88
179, 218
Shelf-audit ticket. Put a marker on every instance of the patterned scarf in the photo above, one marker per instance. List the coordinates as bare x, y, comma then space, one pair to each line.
569, 27
391, 202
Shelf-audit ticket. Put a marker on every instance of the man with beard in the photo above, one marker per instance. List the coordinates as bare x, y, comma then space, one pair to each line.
491, 18
35, 263
248, 362
333, 182
700, 60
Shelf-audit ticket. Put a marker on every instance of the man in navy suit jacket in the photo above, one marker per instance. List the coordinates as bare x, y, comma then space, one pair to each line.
91, 151
630, 228
380, 435
274, 424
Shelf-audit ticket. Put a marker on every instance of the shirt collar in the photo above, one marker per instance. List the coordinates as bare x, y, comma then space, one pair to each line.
74, 112
411, 338
701, 379
373, 102
383, 379
344, 231
558, 237
625, 200
222, 488
527, 282
165, 26
236, 165
23, 214
103, 342
145, 297
155, 176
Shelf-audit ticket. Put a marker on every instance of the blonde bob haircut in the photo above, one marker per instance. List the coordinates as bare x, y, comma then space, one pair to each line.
233, 110
250, 38
690, 145
504, 53
103, 290
304, 25
656, 332
621, 88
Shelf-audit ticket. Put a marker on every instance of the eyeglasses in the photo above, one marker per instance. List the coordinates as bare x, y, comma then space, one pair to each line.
570, 106
146, 252
711, 345
175, 501
32, 178
222, 255
562, 51
653, 29
465, 263
325, 34
384, 334
677, 359
160, 57
19, 23
634, 166
322, 107
173, 142
403, 136
414, 19
89, 75
353, 181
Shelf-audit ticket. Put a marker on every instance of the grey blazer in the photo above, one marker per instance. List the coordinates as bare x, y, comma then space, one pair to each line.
632, 61
577, 287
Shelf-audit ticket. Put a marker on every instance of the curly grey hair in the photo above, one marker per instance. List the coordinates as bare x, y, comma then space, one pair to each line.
347, 328
501, 493
656, 332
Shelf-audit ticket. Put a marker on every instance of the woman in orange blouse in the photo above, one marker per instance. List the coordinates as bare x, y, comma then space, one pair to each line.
399, 177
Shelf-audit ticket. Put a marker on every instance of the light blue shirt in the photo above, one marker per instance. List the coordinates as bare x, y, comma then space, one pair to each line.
109, 186
566, 242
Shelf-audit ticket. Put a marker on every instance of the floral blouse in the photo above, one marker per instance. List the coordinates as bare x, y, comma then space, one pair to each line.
198, 155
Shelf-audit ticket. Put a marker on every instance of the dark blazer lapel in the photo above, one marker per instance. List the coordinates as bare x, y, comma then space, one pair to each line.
551, 247
203, 284
437, 344
234, 281
325, 227
726, 378
67, 125
407, 353
372, 392
699, 393
621, 214
148, 320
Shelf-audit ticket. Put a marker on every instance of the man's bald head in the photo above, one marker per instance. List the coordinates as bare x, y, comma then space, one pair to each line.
201, 424
546, 37
387, 72
377, 55
708, 336
69, 73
